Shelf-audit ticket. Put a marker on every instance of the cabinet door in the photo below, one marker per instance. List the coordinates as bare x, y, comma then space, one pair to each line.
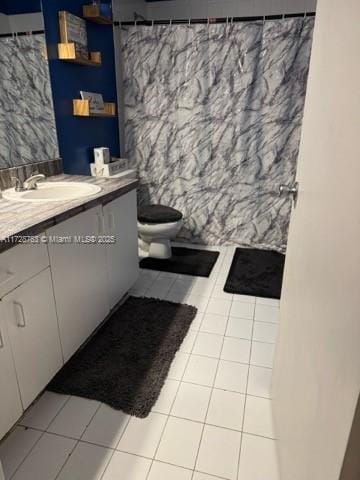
80, 279
122, 256
10, 404
34, 335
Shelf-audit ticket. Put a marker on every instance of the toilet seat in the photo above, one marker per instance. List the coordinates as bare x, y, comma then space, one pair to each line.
158, 214
157, 225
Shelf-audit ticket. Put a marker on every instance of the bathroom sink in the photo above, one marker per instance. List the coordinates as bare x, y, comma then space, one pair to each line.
53, 192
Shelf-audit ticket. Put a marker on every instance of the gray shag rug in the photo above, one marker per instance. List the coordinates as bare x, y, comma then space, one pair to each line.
126, 362
185, 261
256, 272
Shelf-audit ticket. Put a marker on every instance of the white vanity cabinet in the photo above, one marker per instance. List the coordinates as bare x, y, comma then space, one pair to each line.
122, 259
30, 351
34, 335
80, 278
10, 404
54, 295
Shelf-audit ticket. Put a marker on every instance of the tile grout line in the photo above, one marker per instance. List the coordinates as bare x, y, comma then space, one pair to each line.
204, 422
77, 441
213, 383
177, 391
38, 440
114, 450
234, 338
35, 403
230, 336
246, 389
218, 362
28, 454
230, 361
146, 287
155, 280
171, 407
181, 381
210, 398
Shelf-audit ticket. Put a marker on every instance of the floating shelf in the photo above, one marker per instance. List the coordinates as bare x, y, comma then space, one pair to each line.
67, 52
92, 13
81, 108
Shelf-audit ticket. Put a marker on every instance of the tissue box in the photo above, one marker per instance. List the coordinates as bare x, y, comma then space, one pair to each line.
101, 156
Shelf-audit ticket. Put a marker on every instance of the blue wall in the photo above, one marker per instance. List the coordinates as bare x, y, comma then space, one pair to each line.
79, 135
13, 7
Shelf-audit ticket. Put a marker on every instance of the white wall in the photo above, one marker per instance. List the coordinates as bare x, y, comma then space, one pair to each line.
124, 9
4, 23
223, 8
175, 9
21, 23
27, 22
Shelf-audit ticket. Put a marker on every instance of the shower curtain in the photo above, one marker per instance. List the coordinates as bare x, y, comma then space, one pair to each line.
212, 122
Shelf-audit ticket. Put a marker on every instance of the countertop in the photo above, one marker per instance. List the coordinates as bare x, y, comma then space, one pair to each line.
26, 218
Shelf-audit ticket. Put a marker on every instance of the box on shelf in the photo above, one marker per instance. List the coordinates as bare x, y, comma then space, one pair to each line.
101, 156
73, 30
111, 169
98, 9
124, 162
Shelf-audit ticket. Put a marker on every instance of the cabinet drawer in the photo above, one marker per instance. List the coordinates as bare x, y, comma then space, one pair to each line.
21, 263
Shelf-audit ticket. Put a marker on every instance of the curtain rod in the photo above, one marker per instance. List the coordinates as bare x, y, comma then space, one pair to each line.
21, 34
214, 20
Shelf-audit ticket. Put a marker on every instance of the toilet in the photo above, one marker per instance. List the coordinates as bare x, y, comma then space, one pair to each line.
157, 225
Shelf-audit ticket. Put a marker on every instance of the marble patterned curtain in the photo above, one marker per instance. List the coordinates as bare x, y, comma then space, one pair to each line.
212, 121
27, 121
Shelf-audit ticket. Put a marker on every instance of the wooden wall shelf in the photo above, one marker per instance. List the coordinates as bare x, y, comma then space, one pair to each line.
67, 52
81, 108
92, 13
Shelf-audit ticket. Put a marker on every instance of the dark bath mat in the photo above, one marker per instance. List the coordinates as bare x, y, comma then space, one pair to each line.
127, 361
187, 261
256, 272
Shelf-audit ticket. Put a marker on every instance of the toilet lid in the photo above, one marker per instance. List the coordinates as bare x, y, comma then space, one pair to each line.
158, 214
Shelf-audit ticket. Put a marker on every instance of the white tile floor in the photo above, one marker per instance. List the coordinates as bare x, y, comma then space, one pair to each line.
211, 421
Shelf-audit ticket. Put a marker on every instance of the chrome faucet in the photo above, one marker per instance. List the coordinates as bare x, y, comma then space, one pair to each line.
28, 184
31, 182
19, 184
